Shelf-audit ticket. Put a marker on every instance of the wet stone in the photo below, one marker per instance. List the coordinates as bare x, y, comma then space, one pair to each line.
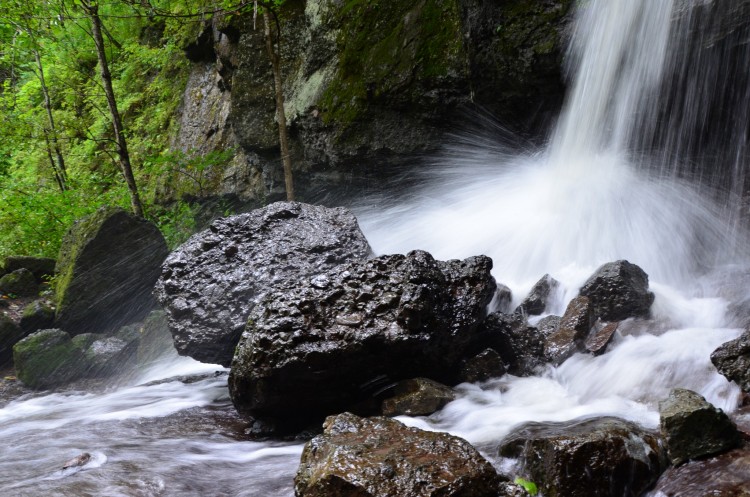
573, 330
417, 397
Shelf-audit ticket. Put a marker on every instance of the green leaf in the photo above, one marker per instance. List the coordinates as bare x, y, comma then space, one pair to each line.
529, 486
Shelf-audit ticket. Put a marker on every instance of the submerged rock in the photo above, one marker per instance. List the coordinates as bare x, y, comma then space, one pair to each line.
380, 457
587, 458
693, 428
209, 285
340, 336
108, 264
417, 397
618, 290
732, 359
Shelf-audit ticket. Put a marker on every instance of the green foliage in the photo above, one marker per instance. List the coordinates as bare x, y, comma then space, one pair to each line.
529, 486
144, 46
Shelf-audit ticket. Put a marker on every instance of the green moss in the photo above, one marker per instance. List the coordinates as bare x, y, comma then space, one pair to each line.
46, 358
389, 48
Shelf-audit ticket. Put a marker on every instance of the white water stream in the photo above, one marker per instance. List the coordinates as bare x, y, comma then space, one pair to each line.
588, 198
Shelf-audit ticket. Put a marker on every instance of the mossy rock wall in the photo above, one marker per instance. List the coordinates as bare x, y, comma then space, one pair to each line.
368, 85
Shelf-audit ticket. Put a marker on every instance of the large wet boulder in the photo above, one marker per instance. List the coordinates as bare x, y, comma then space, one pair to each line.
587, 458
37, 315
108, 264
341, 335
209, 285
732, 359
694, 428
10, 333
724, 475
618, 290
380, 457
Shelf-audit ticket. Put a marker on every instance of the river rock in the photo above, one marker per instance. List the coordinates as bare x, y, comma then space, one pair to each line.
41, 267
341, 335
483, 366
10, 333
520, 346
46, 358
618, 290
104, 356
600, 337
587, 458
417, 397
573, 330
108, 264
732, 359
693, 428
536, 302
209, 285
20, 282
724, 475
380, 457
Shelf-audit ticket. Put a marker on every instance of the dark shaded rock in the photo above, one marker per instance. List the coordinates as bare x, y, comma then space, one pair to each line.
693, 428
600, 337
46, 358
536, 302
10, 333
209, 285
725, 475
587, 458
732, 359
36, 316
417, 397
503, 299
618, 290
341, 335
41, 267
20, 282
380, 457
108, 264
520, 346
155, 338
573, 329
104, 356
483, 366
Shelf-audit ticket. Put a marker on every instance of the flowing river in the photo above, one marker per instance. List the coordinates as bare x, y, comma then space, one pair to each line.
617, 181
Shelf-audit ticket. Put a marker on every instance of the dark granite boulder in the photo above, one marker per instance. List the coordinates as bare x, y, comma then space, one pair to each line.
587, 458
618, 290
380, 457
209, 285
520, 346
108, 264
341, 335
732, 359
693, 428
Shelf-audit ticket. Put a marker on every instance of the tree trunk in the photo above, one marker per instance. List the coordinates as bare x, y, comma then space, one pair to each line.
58, 163
280, 114
92, 10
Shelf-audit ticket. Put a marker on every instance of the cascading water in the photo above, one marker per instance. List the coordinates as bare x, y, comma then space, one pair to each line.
611, 185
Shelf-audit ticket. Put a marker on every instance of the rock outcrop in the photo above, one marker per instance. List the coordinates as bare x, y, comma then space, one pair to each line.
339, 336
536, 301
108, 264
588, 458
520, 346
380, 457
209, 285
693, 428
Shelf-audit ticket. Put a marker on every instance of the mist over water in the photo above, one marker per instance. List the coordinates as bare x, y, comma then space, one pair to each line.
613, 183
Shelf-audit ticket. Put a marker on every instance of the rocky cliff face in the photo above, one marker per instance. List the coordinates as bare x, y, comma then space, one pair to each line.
368, 85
